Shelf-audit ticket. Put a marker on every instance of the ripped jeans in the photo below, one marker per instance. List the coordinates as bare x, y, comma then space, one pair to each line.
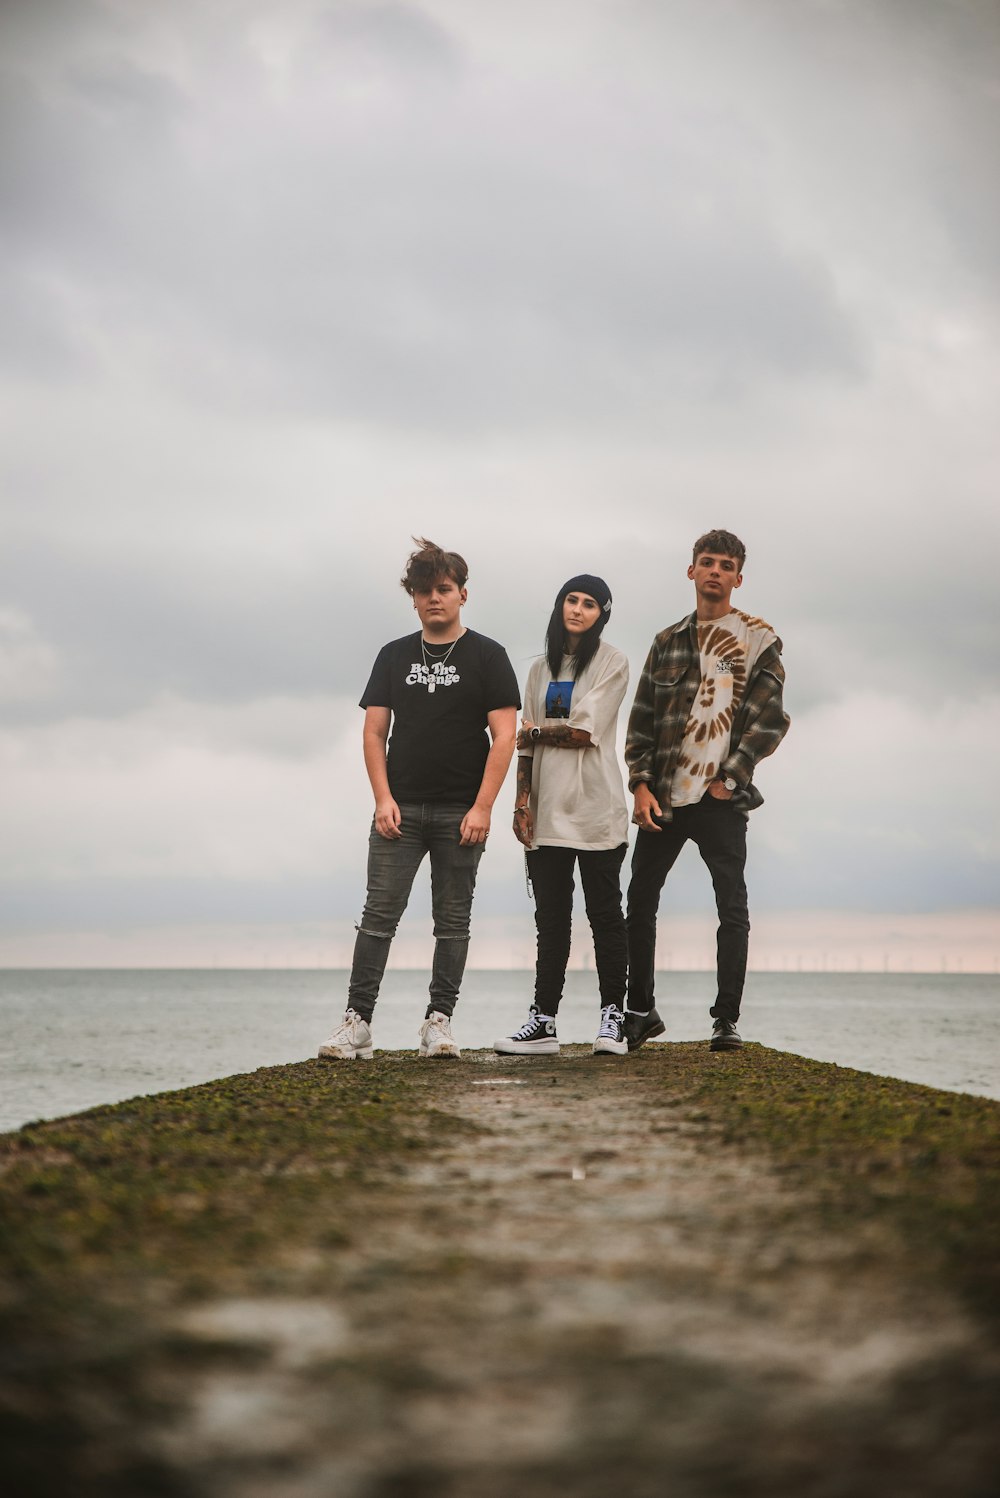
427, 827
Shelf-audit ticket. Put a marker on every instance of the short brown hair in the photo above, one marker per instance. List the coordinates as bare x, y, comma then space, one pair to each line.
428, 564
722, 543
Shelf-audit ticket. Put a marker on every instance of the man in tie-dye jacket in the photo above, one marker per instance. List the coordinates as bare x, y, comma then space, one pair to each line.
707, 709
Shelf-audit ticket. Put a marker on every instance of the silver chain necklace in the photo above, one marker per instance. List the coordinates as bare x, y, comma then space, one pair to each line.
440, 660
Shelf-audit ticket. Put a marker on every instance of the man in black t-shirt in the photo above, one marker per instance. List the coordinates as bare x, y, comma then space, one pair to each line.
450, 696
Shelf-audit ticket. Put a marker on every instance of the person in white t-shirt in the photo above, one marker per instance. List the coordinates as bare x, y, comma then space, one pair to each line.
570, 811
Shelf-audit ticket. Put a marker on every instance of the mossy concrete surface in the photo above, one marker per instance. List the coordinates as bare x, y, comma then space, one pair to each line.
671, 1273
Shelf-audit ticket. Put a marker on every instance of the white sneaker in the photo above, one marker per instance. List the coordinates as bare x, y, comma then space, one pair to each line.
611, 1035
350, 1041
436, 1038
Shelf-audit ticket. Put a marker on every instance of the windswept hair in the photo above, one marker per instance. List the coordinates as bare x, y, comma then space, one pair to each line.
722, 543
429, 564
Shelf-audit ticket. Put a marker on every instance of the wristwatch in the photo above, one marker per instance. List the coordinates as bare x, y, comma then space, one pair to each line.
535, 733
730, 784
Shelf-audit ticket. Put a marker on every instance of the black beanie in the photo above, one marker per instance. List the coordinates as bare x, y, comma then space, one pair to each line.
594, 587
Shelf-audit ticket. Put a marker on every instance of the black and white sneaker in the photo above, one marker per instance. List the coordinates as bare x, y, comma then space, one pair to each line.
536, 1037
725, 1036
611, 1034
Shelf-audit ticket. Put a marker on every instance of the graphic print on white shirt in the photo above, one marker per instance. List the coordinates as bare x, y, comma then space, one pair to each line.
558, 699
729, 650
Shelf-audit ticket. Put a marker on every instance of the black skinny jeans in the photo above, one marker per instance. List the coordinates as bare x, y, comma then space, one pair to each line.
720, 834
551, 871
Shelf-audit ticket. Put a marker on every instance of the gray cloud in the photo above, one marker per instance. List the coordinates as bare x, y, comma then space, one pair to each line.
390, 41
126, 628
282, 285
129, 624
357, 254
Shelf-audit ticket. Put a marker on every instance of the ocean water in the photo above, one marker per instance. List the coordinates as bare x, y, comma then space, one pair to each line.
70, 1040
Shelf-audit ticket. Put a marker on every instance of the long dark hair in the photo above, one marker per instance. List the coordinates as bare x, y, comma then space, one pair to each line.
555, 644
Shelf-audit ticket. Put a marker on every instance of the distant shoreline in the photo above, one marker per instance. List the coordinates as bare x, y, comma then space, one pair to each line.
789, 970
78, 1039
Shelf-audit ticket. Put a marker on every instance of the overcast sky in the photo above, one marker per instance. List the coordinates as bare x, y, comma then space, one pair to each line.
558, 283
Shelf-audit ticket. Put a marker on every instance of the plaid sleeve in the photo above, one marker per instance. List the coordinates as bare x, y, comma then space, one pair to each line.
640, 739
761, 722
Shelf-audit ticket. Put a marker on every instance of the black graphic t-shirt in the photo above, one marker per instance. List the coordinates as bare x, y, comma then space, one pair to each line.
438, 743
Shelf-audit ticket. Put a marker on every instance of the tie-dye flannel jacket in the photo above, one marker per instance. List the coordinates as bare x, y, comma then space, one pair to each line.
670, 678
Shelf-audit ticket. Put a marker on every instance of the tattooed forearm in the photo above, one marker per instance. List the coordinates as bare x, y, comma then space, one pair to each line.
559, 736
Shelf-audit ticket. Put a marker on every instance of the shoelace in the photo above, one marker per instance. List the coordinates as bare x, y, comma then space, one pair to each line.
528, 1028
347, 1029
611, 1018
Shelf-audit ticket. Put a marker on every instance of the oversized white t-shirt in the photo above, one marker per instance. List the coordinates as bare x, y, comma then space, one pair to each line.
729, 650
577, 795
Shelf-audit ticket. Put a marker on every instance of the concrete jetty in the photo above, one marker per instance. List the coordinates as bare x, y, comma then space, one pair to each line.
671, 1273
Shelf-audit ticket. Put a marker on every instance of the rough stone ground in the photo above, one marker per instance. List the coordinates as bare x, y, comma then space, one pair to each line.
583, 1287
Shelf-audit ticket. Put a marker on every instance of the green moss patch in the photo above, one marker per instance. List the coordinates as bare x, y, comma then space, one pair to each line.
187, 1185
863, 1146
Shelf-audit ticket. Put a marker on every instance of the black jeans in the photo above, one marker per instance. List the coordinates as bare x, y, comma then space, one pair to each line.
551, 871
720, 834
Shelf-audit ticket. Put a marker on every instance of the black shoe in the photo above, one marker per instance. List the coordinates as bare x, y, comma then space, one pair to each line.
639, 1028
725, 1036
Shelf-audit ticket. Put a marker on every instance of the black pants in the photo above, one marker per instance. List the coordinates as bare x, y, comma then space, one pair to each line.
551, 871
720, 834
